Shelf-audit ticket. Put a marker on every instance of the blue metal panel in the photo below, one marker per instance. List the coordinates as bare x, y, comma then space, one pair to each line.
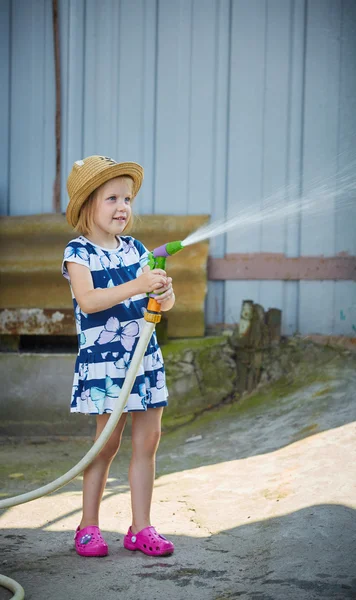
149, 77
173, 105
264, 157
290, 323
345, 204
47, 118
316, 307
5, 25
202, 109
215, 304
321, 124
32, 109
109, 84
345, 308
275, 137
290, 307
102, 81
134, 133
247, 82
320, 157
295, 125
275, 133
72, 84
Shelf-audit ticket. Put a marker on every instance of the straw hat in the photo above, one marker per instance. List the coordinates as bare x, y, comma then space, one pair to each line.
91, 172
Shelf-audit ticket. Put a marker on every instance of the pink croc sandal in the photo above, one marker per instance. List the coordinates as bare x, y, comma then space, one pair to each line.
89, 542
149, 542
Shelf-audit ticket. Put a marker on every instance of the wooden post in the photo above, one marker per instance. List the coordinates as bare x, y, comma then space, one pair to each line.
252, 340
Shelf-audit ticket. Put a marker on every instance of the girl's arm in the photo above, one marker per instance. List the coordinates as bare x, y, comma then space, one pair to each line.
93, 300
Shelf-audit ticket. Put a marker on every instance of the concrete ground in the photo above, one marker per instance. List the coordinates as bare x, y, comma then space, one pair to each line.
259, 498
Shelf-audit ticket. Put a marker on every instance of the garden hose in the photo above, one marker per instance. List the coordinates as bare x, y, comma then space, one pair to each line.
13, 586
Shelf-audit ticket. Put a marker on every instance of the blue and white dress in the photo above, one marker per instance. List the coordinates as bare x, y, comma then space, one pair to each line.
107, 339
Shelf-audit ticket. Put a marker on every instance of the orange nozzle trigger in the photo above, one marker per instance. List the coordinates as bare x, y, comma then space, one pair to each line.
154, 306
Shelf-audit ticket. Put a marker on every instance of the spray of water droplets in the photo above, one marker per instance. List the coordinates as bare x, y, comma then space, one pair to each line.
324, 196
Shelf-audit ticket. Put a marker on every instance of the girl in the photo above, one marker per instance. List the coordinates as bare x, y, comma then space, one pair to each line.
109, 280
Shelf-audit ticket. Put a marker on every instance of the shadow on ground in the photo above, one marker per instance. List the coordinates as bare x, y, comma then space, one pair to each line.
258, 502
308, 554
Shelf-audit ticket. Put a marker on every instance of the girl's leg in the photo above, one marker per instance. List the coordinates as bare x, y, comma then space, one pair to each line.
96, 474
146, 433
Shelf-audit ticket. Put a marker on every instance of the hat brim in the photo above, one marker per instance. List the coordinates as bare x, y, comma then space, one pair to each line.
130, 169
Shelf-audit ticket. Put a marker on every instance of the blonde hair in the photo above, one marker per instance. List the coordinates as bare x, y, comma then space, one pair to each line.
86, 214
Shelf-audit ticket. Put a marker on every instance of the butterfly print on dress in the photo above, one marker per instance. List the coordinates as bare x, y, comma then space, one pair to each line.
113, 332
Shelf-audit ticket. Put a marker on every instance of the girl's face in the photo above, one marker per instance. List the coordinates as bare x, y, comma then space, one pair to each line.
112, 208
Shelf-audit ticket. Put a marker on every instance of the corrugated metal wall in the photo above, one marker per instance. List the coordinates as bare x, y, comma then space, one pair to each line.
292, 121
27, 100
224, 102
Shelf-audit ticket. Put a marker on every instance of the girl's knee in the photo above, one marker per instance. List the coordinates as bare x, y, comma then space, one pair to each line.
147, 444
111, 447
113, 444
155, 437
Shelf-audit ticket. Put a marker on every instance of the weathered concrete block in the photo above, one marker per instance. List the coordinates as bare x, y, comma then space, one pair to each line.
202, 376
35, 298
35, 396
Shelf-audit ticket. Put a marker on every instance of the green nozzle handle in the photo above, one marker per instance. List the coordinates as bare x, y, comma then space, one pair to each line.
167, 249
157, 258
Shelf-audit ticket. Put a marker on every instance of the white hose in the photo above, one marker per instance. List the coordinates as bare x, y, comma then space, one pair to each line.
13, 586
140, 350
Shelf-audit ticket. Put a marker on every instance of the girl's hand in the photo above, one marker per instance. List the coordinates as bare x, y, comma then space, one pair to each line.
151, 281
165, 292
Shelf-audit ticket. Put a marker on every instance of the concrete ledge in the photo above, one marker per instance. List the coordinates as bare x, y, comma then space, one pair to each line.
37, 387
36, 394
202, 373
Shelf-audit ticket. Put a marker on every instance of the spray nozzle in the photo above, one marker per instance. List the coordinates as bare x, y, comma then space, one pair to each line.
167, 249
157, 258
